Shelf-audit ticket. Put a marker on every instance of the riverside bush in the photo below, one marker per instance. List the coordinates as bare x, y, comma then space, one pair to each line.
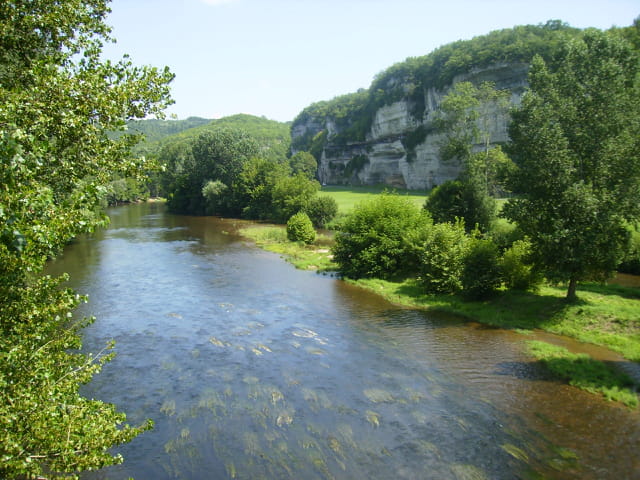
481, 273
441, 254
465, 199
373, 240
300, 229
518, 273
322, 210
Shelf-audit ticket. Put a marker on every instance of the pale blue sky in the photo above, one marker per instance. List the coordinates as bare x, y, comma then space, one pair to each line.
275, 57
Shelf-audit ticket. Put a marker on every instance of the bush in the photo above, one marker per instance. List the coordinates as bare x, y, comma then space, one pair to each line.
214, 193
322, 210
631, 262
300, 229
503, 233
518, 273
291, 195
462, 199
373, 241
442, 255
481, 273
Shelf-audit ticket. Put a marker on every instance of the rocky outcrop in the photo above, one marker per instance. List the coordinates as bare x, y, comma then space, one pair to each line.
390, 153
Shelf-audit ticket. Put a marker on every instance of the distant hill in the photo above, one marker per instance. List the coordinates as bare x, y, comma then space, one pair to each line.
273, 136
155, 130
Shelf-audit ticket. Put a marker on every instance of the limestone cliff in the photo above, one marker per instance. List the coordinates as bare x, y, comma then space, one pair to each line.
386, 134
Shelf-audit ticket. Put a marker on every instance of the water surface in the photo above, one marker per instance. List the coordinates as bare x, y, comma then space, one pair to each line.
252, 369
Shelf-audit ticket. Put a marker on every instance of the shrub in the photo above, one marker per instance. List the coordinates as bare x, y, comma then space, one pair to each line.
291, 195
300, 229
322, 210
518, 273
214, 193
631, 262
462, 199
305, 163
504, 233
373, 241
442, 254
481, 273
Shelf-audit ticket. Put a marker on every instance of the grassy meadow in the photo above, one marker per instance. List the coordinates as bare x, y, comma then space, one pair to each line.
348, 196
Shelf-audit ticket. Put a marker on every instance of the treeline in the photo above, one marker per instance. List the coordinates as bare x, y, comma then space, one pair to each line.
164, 142
238, 167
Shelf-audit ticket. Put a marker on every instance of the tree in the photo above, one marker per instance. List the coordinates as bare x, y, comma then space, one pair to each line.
442, 249
304, 162
255, 187
321, 210
456, 199
58, 102
217, 155
576, 141
466, 117
292, 195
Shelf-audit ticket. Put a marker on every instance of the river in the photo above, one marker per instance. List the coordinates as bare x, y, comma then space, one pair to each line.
252, 369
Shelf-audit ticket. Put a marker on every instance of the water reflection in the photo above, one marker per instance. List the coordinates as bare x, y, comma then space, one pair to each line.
252, 369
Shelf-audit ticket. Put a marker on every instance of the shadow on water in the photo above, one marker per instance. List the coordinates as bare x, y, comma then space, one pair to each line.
252, 369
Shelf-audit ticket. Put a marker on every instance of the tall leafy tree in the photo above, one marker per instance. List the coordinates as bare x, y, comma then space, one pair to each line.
217, 159
58, 100
465, 119
576, 140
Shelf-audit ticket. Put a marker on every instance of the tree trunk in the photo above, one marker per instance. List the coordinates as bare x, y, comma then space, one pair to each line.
571, 291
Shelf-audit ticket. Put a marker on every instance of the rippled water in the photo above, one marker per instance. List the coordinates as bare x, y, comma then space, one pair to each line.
252, 369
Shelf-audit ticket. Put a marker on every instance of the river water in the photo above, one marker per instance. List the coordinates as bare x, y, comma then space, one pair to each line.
252, 369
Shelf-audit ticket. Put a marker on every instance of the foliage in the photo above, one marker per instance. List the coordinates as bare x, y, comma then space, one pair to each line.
58, 104
355, 165
304, 162
292, 195
215, 196
273, 137
155, 129
322, 209
576, 141
504, 233
481, 273
255, 186
125, 190
300, 229
458, 199
412, 139
216, 155
631, 261
584, 372
518, 272
442, 251
372, 239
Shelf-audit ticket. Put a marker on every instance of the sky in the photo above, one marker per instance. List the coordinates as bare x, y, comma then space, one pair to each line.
273, 58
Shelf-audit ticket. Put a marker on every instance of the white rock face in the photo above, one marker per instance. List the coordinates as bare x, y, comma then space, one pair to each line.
383, 159
390, 120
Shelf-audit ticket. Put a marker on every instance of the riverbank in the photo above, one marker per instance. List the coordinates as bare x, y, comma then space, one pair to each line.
605, 315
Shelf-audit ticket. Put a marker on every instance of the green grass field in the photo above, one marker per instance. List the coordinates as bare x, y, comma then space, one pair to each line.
349, 196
